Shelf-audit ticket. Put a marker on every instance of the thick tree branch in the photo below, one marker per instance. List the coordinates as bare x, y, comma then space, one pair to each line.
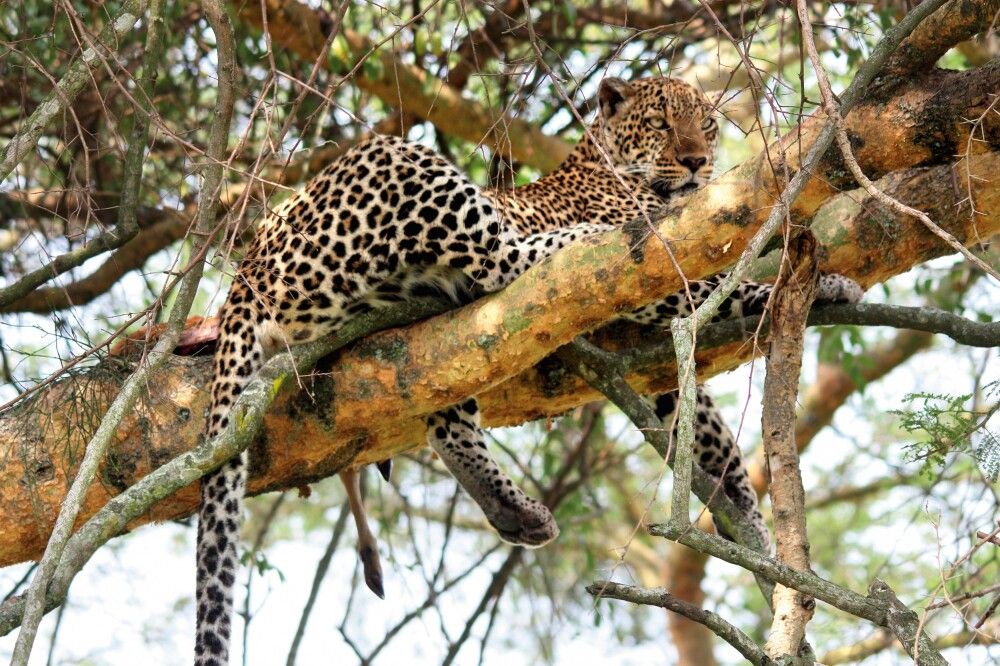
953, 23
905, 625
385, 385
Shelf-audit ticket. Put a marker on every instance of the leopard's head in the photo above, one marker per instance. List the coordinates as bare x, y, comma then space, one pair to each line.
660, 129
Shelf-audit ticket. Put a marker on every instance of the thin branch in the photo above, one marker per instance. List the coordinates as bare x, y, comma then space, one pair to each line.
251, 555
793, 295
660, 597
132, 168
129, 257
497, 584
321, 568
604, 372
882, 639
75, 79
880, 607
905, 317
804, 581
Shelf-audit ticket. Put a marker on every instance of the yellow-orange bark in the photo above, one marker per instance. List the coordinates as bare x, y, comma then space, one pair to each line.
371, 401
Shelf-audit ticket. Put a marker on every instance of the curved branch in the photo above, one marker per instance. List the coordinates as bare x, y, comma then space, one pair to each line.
953, 23
931, 320
723, 629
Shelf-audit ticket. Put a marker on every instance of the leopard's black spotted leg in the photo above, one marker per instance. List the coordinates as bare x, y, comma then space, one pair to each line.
455, 435
716, 452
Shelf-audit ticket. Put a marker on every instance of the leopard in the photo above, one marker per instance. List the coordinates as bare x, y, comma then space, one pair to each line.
391, 220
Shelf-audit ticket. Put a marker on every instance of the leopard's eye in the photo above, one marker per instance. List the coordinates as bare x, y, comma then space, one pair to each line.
657, 123
708, 123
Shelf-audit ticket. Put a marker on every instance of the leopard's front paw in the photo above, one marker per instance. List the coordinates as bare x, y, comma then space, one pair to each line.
838, 289
523, 521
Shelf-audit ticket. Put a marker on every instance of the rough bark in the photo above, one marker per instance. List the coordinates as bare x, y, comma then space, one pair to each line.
794, 294
906, 626
383, 386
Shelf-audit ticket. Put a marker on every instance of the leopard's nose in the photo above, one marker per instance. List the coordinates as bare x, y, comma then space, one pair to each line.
693, 163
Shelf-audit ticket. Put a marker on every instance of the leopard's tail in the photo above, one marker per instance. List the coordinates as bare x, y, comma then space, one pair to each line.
238, 356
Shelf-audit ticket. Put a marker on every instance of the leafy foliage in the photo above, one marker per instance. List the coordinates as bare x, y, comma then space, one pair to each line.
948, 425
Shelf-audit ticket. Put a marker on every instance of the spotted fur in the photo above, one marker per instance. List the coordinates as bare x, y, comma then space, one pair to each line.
392, 219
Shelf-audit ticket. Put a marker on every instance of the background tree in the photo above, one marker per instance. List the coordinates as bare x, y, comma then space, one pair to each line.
124, 179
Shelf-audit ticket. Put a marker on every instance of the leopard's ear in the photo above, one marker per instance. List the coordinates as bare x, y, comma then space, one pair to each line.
611, 93
715, 98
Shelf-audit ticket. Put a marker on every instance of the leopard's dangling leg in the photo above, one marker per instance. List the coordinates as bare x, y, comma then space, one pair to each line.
367, 543
455, 435
716, 452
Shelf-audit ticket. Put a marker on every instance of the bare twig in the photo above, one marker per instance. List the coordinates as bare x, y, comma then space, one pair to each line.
723, 629
497, 584
251, 555
321, 568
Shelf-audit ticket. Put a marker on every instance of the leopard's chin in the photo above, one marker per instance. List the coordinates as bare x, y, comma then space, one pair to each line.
666, 191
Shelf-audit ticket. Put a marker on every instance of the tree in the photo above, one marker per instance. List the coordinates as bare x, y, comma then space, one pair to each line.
110, 244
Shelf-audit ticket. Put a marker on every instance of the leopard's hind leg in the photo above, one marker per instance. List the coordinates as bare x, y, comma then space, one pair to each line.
716, 452
367, 543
